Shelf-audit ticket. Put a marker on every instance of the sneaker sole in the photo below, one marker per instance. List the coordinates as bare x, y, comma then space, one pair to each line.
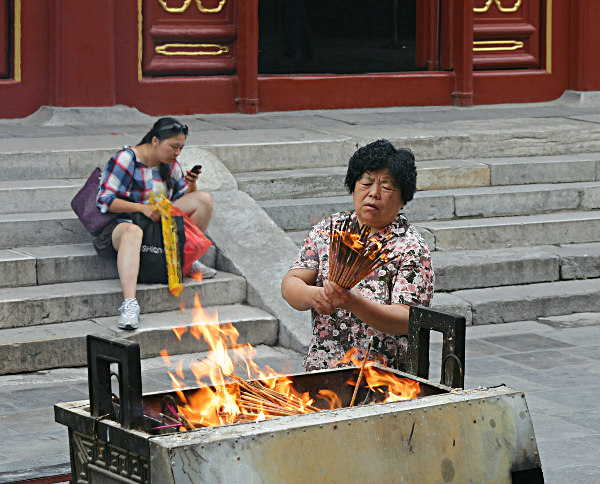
129, 326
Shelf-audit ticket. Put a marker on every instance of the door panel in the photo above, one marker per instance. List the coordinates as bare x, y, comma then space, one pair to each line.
189, 37
427, 34
506, 34
4, 40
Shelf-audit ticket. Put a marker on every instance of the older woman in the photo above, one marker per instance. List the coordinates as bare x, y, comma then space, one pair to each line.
382, 180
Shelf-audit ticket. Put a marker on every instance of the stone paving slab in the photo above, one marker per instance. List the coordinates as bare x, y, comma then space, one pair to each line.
29, 196
57, 264
50, 228
577, 260
301, 183
467, 269
17, 269
36, 348
543, 169
513, 303
514, 200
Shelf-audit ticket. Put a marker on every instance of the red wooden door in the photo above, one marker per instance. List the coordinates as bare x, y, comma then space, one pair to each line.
506, 34
5, 30
185, 37
24, 57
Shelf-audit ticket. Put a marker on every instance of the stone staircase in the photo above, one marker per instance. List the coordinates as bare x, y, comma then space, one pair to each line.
55, 290
512, 239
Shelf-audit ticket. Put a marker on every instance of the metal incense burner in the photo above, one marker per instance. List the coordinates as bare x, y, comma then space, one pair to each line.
444, 435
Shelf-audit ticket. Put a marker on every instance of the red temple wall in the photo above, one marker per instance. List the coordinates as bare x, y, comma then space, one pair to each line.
86, 54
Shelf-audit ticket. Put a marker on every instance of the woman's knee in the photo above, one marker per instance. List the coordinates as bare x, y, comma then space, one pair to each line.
205, 199
131, 236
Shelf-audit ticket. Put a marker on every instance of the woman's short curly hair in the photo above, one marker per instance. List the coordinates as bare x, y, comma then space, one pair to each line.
382, 154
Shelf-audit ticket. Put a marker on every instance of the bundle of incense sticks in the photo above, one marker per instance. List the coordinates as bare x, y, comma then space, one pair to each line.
354, 255
257, 401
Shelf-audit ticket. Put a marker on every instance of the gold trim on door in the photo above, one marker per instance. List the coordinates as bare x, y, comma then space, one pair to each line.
504, 45
17, 60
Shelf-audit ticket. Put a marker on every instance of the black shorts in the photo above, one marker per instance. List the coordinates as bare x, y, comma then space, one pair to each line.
103, 243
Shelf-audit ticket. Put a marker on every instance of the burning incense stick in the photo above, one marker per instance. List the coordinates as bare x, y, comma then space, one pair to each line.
362, 368
354, 255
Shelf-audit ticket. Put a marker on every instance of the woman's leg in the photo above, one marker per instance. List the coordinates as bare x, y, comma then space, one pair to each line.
127, 241
198, 206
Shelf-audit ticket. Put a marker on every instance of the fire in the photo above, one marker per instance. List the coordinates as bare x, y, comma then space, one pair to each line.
235, 389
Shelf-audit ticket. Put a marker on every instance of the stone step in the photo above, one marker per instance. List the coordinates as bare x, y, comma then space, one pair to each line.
528, 302
544, 169
57, 303
432, 175
63, 164
57, 345
303, 213
35, 229
29, 196
567, 227
329, 181
469, 269
55, 264
288, 149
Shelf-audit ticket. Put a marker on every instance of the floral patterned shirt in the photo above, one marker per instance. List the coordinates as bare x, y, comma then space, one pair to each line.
405, 280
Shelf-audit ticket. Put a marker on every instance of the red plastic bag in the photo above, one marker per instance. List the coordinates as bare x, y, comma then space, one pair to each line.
196, 243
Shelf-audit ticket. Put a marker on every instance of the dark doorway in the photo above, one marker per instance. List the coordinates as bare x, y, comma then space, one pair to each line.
336, 36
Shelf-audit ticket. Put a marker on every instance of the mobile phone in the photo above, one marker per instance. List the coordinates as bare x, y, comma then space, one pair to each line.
196, 169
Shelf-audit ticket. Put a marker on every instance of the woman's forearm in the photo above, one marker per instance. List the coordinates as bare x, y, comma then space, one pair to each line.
123, 206
191, 187
298, 293
391, 319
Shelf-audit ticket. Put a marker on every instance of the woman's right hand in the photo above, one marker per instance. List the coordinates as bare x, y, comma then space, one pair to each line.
150, 211
322, 304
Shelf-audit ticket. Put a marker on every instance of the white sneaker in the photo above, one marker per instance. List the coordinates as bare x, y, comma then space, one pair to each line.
130, 314
198, 270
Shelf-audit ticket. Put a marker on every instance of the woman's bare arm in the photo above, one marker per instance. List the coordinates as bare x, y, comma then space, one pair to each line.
124, 206
299, 290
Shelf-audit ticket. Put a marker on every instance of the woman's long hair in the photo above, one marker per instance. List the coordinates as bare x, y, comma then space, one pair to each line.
163, 169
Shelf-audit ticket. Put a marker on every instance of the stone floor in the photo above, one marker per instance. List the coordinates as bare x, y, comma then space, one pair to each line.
555, 361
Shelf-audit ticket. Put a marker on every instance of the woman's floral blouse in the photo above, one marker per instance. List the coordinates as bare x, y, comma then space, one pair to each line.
405, 280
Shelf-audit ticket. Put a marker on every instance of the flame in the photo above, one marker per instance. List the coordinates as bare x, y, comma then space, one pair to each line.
219, 399
397, 388
179, 332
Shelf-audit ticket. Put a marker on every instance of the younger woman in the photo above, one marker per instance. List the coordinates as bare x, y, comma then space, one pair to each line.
128, 179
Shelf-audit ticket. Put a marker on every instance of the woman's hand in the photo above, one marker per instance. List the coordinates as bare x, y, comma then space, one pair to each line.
322, 304
191, 177
340, 297
150, 211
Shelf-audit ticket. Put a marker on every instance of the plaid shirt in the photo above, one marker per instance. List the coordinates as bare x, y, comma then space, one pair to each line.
127, 178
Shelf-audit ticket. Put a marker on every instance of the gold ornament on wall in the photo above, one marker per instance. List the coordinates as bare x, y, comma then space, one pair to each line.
501, 8
164, 49
187, 3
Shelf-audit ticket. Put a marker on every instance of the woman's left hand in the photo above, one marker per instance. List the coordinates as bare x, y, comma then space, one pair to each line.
339, 296
191, 177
